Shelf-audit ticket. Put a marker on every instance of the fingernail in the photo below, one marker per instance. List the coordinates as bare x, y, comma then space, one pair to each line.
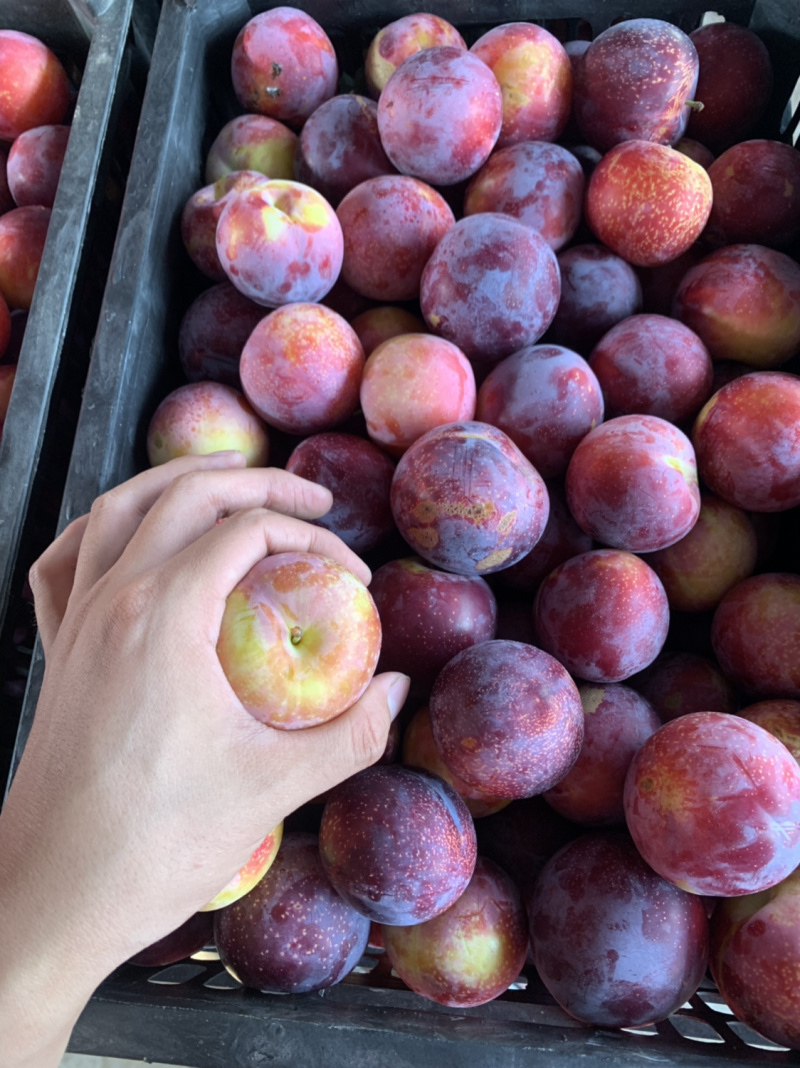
225, 454
398, 692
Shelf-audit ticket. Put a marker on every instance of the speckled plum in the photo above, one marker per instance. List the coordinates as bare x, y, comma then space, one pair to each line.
252, 143
40, 95
781, 718
647, 202
755, 634
360, 514
507, 718
603, 614
720, 550
471, 953
292, 933
280, 242
744, 303
617, 721
632, 483
652, 365
391, 226
419, 751
200, 217
411, 384
712, 802
598, 290
466, 499
427, 616
677, 683
34, 165
204, 417
491, 286
547, 399
747, 438
398, 844
283, 65
339, 147
614, 943
22, 236
440, 114
376, 325
213, 333
538, 183
633, 83
562, 539
301, 368
393, 44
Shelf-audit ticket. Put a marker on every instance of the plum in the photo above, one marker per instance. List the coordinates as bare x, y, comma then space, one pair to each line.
185, 940
679, 682
779, 717
213, 333
398, 40
200, 217
36, 87
376, 325
252, 143
34, 165
23, 232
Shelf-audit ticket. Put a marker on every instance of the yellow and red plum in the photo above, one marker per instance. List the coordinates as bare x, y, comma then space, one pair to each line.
376, 325
361, 514
292, 933
677, 683
779, 717
712, 802
280, 242
507, 718
391, 226
614, 943
440, 114
632, 483
22, 236
252, 143
466, 499
427, 616
253, 871
411, 384
547, 399
398, 844
491, 286
755, 634
205, 417
213, 333
603, 614
394, 43
283, 65
301, 368
747, 438
200, 217
472, 952
34, 165
35, 85
299, 640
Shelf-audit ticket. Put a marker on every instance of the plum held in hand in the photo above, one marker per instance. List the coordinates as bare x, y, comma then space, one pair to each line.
292, 933
614, 943
465, 498
398, 844
712, 802
472, 952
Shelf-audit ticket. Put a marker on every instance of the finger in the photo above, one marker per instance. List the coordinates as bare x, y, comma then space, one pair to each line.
52, 577
116, 515
194, 503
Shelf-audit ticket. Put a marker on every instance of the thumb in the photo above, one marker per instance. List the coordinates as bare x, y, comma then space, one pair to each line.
321, 757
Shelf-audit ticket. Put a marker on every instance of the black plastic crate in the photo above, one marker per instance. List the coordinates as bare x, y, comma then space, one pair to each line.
96, 44
193, 1013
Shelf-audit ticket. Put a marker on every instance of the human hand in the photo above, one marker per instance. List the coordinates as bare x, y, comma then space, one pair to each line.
145, 784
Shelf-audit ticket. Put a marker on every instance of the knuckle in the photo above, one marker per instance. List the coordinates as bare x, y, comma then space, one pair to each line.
128, 608
368, 738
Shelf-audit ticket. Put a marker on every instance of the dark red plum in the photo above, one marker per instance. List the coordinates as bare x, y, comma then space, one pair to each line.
603, 614
653, 365
34, 165
471, 953
292, 933
632, 483
185, 940
507, 718
491, 286
562, 539
614, 943
398, 844
617, 721
361, 514
427, 616
200, 217
712, 802
633, 83
23, 232
677, 683
466, 499
660, 284
440, 114
547, 399
213, 333
339, 147
598, 290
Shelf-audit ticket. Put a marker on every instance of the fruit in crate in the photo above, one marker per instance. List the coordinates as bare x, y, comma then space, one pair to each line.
779, 717
402, 38
252, 143
756, 195
213, 333
299, 639
36, 89
250, 875
34, 165
200, 217
22, 236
